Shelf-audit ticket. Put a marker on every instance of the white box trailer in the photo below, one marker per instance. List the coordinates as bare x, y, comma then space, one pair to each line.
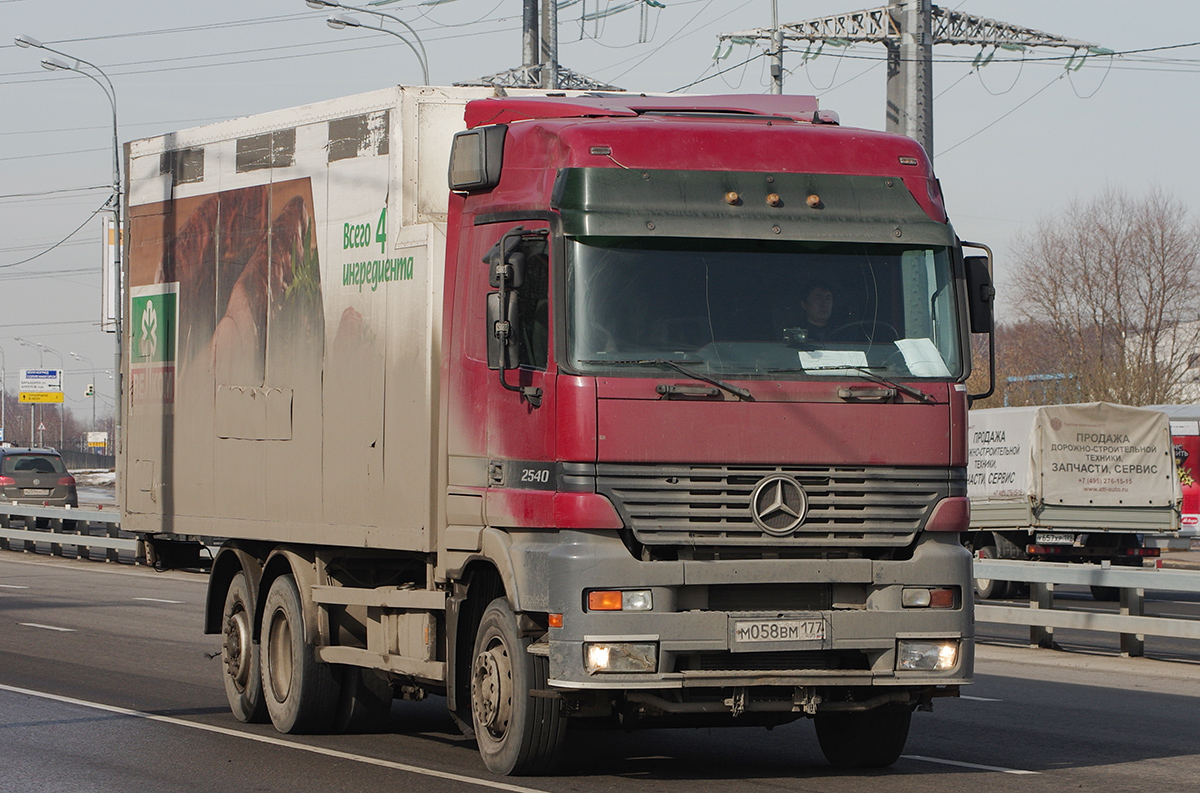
1069, 482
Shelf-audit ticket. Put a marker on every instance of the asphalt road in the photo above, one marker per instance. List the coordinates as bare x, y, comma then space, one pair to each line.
106, 685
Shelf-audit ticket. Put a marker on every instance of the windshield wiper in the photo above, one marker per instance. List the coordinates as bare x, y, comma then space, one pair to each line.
915, 393
737, 391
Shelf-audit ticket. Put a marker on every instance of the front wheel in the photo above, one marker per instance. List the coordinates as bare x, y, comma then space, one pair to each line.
517, 733
864, 739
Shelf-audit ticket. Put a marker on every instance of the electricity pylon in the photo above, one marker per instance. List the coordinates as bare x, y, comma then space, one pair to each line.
909, 29
540, 67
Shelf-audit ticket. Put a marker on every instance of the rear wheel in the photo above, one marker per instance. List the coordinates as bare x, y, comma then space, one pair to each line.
1106, 594
300, 691
516, 732
239, 654
990, 588
864, 739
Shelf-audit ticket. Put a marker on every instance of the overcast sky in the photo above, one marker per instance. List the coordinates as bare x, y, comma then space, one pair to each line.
1015, 140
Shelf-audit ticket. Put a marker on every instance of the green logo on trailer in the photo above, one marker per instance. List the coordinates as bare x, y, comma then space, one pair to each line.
153, 321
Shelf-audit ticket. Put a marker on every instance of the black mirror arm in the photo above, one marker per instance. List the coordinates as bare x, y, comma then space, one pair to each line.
531, 394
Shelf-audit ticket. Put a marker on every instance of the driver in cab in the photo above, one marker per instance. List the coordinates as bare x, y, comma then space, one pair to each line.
817, 304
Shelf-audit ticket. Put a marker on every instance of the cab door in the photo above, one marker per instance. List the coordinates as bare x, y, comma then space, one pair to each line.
520, 434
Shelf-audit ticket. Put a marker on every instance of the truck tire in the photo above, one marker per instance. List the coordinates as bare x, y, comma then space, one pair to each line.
239, 655
864, 739
517, 733
1106, 594
990, 588
301, 692
366, 701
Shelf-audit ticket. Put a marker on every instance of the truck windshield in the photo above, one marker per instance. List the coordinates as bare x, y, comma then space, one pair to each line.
758, 309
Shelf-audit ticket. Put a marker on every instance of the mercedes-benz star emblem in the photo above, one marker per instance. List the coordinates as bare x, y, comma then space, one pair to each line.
778, 504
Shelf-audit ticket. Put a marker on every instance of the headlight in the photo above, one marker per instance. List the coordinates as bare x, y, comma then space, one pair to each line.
926, 656
620, 657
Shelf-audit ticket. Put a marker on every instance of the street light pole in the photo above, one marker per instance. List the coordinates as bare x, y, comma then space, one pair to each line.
341, 22
116, 201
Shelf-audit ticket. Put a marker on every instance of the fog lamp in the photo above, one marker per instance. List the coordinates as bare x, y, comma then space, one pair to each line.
620, 657
926, 655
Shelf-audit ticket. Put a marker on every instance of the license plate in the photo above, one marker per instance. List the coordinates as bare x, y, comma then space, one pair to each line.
1048, 538
750, 631
36, 491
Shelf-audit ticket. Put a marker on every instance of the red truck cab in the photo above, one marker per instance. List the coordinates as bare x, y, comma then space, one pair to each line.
711, 501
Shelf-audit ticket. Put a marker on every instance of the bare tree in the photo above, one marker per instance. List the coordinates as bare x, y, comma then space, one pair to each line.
1113, 283
1029, 370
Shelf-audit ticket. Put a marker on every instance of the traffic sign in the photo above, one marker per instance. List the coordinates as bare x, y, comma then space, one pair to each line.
41, 380
41, 397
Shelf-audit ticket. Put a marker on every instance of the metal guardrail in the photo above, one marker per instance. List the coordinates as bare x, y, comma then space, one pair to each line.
97, 528
1130, 620
85, 528
101, 529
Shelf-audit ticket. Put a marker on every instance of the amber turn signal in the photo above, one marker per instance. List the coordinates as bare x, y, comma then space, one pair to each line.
604, 600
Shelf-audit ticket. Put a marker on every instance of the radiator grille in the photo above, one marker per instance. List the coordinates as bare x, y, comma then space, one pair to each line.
709, 505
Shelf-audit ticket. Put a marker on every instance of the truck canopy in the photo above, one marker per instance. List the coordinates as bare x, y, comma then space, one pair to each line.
1083, 455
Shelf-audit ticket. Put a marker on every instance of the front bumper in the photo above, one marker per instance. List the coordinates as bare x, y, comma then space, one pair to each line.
698, 606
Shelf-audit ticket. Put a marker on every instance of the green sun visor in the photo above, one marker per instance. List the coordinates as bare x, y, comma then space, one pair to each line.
742, 205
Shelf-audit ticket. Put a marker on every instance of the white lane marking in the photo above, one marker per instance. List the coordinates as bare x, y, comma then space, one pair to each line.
158, 600
46, 627
273, 741
976, 766
979, 699
12, 586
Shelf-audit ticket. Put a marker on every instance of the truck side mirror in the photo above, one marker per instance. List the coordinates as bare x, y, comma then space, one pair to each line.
981, 295
504, 330
507, 273
511, 270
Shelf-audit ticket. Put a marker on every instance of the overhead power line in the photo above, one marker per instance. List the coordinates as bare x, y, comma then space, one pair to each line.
77, 229
909, 31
